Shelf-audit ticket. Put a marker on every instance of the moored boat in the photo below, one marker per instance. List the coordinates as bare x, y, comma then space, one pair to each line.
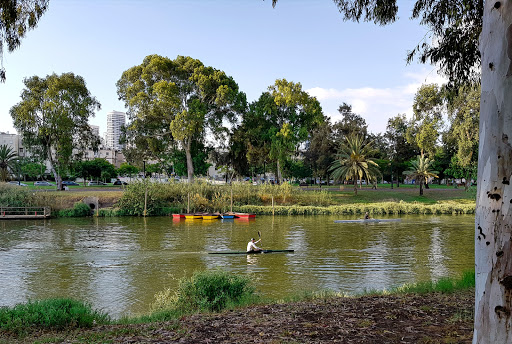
245, 215
227, 215
178, 216
193, 216
210, 216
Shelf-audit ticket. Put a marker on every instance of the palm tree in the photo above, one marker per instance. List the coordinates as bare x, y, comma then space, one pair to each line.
421, 170
353, 161
7, 161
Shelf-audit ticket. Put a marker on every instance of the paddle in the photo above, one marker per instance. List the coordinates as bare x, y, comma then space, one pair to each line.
259, 235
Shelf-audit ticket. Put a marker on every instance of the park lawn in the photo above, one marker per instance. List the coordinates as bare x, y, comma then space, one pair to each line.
406, 194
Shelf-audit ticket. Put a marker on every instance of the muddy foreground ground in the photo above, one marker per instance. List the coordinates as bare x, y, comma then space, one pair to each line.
429, 318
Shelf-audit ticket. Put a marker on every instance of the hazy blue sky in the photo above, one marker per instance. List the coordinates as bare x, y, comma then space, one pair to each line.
303, 41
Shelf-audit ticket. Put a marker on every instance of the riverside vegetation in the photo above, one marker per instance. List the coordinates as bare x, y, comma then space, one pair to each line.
284, 199
214, 305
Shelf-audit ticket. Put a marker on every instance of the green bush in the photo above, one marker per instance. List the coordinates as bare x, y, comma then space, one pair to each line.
206, 291
51, 314
80, 209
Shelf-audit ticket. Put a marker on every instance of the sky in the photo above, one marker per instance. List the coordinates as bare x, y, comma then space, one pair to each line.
304, 41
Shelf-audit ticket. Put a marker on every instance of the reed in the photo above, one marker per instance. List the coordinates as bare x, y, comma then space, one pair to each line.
15, 196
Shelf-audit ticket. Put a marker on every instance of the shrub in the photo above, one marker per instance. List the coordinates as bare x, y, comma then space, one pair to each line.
205, 291
51, 314
80, 209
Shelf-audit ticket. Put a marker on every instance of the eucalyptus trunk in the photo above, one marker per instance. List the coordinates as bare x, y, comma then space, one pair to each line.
493, 220
190, 164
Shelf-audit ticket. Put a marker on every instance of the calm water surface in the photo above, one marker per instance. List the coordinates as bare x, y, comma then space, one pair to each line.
118, 264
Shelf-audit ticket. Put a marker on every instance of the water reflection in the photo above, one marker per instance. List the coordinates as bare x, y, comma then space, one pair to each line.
118, 264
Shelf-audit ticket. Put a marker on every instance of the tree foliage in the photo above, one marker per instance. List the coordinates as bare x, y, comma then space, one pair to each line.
17, 17
425, 127
53, 118
279, 121
177, 100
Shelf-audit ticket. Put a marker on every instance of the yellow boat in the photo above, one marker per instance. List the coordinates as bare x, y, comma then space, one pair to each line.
210, 216
193, 216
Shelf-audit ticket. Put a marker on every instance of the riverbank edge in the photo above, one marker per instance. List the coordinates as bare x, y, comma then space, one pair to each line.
406, 318
380, 208
64, 316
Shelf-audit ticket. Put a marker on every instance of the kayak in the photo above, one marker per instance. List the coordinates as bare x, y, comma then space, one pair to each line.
251, 252
367, 220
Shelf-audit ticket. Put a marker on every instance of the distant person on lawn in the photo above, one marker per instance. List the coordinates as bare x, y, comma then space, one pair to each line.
251, 246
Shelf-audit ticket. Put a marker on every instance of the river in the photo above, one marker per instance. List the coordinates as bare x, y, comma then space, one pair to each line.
119, 264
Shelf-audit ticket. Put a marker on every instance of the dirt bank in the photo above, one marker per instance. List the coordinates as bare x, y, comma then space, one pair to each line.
431, 318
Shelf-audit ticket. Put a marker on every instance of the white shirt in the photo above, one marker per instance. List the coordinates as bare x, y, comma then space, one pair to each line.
252, 247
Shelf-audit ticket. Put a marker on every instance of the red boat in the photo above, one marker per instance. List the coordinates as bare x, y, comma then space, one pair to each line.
178, 216
245, 215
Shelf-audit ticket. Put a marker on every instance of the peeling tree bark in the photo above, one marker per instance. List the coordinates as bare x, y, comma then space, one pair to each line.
493, 221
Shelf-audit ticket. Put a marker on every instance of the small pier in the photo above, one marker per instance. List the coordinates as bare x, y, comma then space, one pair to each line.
13, 213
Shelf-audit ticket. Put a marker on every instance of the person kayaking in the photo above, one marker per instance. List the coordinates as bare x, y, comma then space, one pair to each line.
251, 246
367, 216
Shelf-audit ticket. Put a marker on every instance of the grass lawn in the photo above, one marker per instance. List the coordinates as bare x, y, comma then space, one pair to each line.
406, 193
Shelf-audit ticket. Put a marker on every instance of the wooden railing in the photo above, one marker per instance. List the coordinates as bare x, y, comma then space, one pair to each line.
24, 212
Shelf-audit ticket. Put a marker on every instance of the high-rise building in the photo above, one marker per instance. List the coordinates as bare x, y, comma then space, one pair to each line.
115, 121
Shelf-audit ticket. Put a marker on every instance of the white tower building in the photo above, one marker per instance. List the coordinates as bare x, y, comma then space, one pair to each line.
115, 120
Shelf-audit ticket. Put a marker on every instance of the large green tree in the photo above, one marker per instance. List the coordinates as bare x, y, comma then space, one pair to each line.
320, 150
350, 124
177, 100
399, 149
53, 118
280, 120
426, 124
464, 115
17, 17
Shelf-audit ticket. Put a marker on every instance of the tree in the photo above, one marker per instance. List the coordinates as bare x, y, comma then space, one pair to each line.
425, 126
127, 170
32, 169
354, 161
464, 114
7, 161
400, 150
280, 120
178, 100
16, 18
421, 171
98, 168
319, 153
53, 118
351, 123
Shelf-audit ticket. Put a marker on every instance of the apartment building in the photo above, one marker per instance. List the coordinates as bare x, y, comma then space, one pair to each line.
115, 121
